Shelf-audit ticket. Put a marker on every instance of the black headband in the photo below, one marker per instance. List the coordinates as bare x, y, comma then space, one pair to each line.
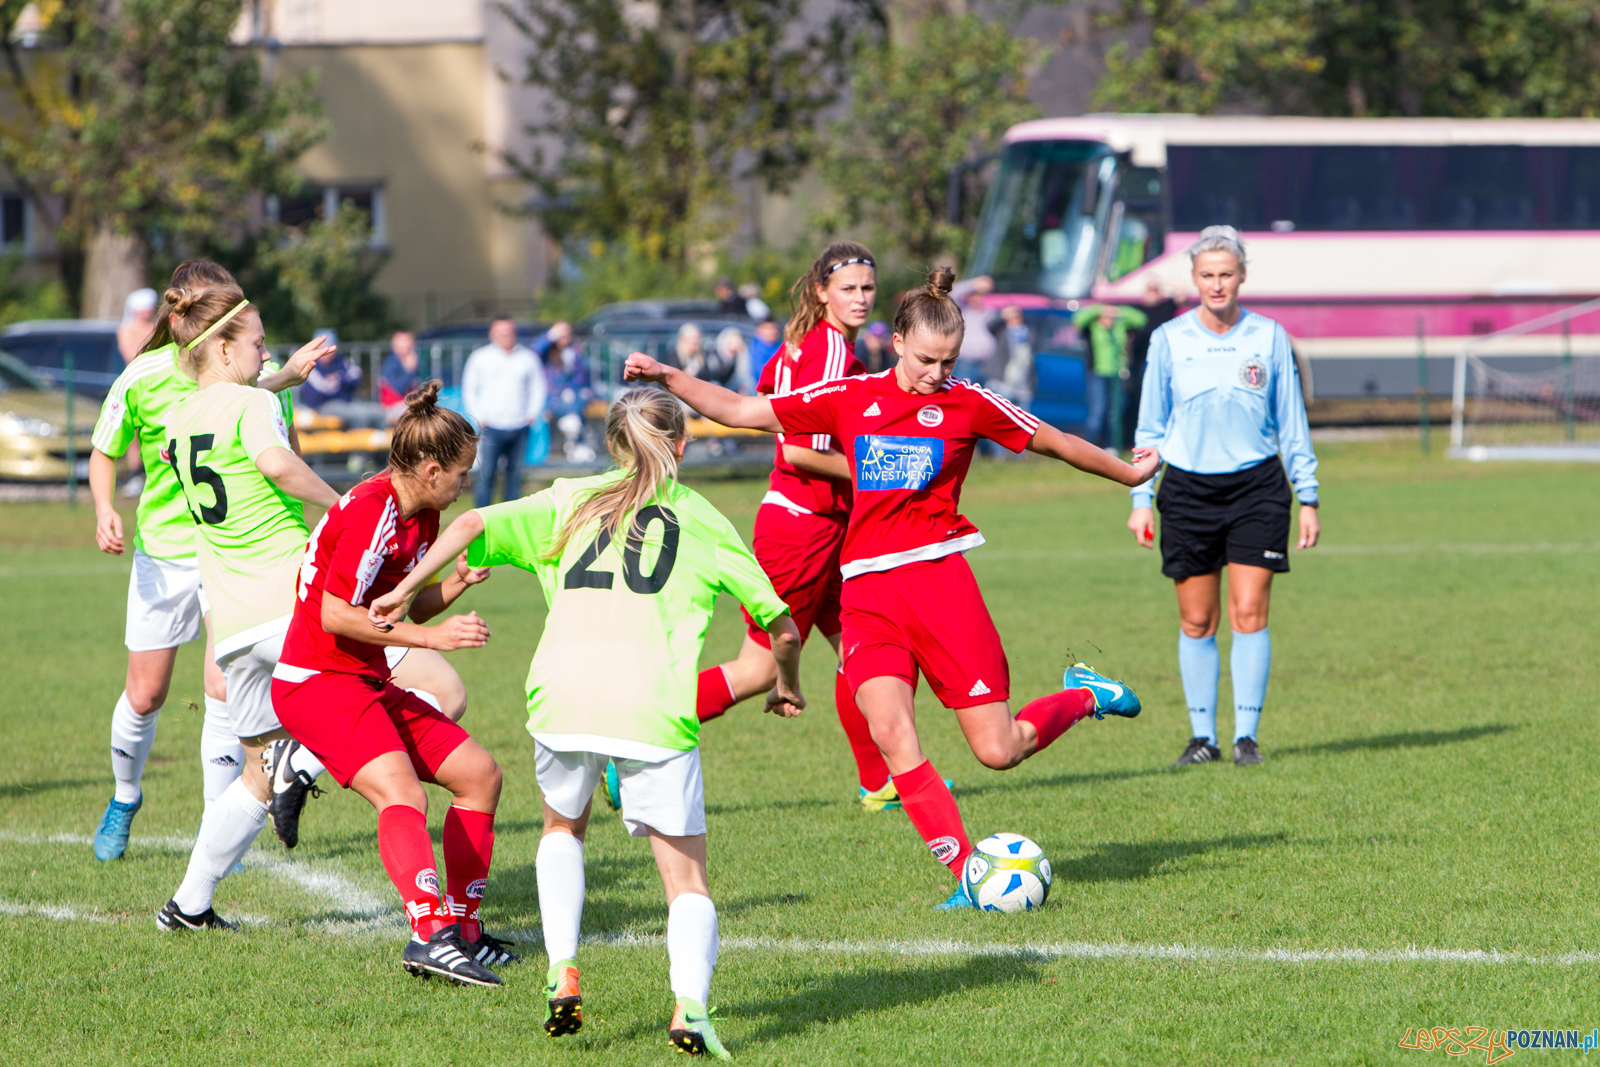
847, 262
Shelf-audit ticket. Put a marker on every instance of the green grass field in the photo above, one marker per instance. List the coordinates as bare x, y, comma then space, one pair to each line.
1418, 850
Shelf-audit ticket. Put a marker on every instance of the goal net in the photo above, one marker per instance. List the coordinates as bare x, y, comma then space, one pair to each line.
1550, 413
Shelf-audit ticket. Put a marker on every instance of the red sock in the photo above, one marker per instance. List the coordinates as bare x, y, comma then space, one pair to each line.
407, 853
468, 847
713, 695
1053, 715
870, 768
933, 812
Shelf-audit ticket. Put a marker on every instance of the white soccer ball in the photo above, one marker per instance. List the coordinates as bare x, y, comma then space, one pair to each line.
1006, 872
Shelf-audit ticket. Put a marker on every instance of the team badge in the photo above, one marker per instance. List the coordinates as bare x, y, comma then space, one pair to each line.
944, 849
930, 416
428, 881
1253, 374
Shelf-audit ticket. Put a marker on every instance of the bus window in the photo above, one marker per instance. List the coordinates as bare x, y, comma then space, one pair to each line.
1141, 233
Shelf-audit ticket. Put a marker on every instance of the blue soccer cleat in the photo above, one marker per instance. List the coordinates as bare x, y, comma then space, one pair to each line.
957, 901
613, 786
111, 839
1109, 697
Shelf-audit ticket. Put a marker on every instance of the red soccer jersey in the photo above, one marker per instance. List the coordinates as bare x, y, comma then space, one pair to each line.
359, 551
910, 454
824, 355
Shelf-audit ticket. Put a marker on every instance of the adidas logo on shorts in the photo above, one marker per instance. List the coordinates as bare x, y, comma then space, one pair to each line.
978, 689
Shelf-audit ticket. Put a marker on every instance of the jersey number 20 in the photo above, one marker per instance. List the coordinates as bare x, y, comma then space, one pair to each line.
198, 476
581, 576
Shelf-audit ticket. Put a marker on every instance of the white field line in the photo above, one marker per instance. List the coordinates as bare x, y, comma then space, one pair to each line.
1538, 548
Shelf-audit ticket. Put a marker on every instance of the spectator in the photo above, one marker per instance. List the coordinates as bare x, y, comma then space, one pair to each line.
978, 344
732, 303
503, 390
872, 347
1106, 327
138, 322
690, 350
330, 389
734, 357
1159, 308
769, 338
754, 306
557, 337
401, 374
566, 375
1015, 381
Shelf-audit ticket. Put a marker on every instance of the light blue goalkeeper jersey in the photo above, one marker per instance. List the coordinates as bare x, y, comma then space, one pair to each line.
1220, 403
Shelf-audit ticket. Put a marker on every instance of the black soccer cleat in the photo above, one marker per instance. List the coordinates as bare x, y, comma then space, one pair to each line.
446, 955
1199, 750
492, 951
170, 918
289, 790
1245, 752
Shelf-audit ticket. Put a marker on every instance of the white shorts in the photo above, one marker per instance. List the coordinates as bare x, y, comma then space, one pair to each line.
394, 654
165, 603
248, 671
667, 797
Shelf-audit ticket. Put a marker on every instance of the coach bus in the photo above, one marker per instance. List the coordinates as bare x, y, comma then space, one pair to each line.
1362, 233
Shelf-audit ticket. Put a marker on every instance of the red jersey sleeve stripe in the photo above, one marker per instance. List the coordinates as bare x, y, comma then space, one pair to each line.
1015, 414
380, 536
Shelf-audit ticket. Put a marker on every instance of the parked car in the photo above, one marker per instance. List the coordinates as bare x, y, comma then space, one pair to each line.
43, 344
643, 310
33, 426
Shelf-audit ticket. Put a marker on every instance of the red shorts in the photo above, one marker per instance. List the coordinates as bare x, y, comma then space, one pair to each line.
800, 554
348, 720
928, 617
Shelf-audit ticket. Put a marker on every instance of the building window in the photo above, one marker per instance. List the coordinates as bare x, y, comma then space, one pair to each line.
15, 222
314, 204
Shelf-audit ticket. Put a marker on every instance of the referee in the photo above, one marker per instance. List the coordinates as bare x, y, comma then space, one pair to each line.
1221, 400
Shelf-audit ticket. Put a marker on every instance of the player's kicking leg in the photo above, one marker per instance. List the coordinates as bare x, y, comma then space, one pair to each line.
558, 868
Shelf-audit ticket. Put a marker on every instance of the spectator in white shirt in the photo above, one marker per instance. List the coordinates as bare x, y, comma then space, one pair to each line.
503, 390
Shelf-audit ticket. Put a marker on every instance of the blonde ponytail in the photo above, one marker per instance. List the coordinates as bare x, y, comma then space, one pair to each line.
643, 429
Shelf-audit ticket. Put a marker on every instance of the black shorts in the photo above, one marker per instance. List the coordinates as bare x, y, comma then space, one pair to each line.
1211, 519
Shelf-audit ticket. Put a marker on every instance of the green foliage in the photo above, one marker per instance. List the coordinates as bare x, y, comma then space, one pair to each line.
23, 298
661, 109
917, 113
1483, 58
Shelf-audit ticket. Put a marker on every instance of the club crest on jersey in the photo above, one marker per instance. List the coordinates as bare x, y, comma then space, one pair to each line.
1253, 374
930, 416
884, 462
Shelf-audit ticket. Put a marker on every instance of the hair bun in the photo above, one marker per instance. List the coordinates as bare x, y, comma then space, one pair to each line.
940, 281
424, 400
180, 300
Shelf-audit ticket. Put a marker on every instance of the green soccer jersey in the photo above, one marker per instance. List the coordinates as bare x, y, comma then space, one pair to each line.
251, 535
136, 410
615, 671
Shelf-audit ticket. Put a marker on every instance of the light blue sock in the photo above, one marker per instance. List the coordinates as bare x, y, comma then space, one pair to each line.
1200, 664
1252, 663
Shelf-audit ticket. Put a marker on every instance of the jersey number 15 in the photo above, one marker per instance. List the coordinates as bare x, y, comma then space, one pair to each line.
198, 476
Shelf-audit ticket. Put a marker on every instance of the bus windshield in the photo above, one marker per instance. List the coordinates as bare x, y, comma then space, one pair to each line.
1041, 224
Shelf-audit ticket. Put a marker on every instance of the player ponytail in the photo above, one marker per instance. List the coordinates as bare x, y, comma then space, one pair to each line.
807, 308
643, 429
429, 431
193, 275
931, 309
199, 317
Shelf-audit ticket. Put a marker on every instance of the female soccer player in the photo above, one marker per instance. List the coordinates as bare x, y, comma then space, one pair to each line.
800, 526
910, 603
631, 563
165, 602
332, 690
1221, 400
242, 483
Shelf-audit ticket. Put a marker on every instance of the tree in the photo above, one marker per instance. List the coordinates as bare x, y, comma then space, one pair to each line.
662, 109
1466, 58
916, 114
146, 127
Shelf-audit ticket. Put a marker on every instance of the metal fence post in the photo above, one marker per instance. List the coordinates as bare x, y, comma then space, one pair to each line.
68, 366
1458, 401
1566, 365
1422, 382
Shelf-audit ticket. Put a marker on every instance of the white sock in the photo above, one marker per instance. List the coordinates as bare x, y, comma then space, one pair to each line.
228, 829
221, 755
132, 735
427, 698
692, 945
559, 870
302, 760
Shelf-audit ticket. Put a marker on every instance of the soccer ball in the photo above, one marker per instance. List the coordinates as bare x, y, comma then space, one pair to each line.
1006, 872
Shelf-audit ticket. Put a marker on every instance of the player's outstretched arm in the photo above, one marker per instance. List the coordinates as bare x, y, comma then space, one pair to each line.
458, 631
393, 606
708, 398
102, 482
297, 368
290, 473
1076, 452
785, 698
